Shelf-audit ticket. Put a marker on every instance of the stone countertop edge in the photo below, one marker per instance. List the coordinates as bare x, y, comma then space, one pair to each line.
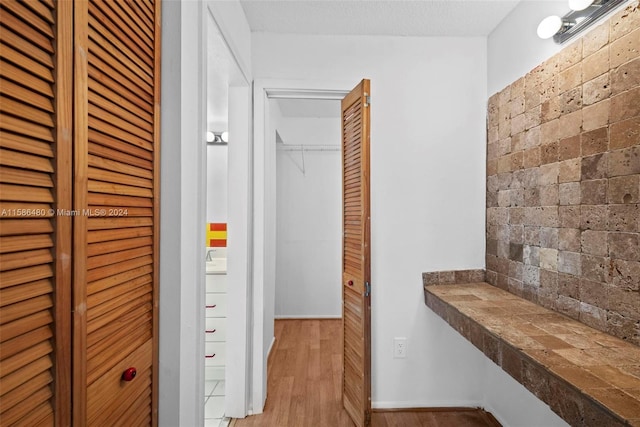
566, 398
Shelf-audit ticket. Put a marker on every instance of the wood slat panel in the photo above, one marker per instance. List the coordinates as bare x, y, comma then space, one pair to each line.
25, 275
30, 410
356, 387
19, 26
137, 316
25, 391
101, 302
112, 235
20, 10
124, 135
23, 61
23, 375
25, 308
119, 245
118, 49
16, 227
112, 153
24, 341
24, 259
42, 415
14, 124
25, 161
25, 177
12, 364
119, 178
119, 189
24, 325
119, 344
110, 320
119, 30
105, 98
110, 385
116, 279
25, 193
42, 9
20, 76
130, 76
24, 144
110, 79
112, 258
139, 32
25, 111
27, 47
118, 98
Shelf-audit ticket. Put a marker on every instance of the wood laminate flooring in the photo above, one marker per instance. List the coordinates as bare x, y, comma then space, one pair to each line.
304, 385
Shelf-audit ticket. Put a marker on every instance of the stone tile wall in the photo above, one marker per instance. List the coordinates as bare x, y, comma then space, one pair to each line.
453, 277
563, 180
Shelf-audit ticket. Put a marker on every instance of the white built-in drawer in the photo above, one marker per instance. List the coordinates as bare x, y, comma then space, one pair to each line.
216, 305
215, 329
216, 283
214, 353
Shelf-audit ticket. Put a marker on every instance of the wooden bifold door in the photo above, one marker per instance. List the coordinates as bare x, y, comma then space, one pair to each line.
356, 255
79, 223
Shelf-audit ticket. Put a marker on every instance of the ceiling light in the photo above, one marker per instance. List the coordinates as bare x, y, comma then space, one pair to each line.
580, 4
217, 138
582, 15
549, 27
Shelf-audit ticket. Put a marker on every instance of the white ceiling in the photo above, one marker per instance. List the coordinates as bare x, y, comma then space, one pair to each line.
368, 17
458, 18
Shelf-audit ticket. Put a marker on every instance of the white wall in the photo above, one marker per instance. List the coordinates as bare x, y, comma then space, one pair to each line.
182, 169
217, 182
309, 228
514, 48
428, 119
183, 211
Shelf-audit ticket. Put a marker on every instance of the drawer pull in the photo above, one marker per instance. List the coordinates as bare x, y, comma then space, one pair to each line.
211, 332
211, 306
129, 374
350, 283
210, 357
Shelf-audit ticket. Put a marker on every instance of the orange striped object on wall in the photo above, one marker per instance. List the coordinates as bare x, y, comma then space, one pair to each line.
216, 235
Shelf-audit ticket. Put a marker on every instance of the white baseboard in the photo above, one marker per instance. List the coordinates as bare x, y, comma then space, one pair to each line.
426, 404
308, 316
273, 341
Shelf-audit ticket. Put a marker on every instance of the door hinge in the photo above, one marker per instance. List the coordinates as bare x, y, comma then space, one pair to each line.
367, 99
367, 289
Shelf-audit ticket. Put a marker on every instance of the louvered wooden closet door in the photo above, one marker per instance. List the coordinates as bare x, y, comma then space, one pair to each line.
35, 181
116, 233
356, 254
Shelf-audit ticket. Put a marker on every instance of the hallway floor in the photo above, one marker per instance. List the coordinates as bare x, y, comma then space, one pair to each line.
304, 385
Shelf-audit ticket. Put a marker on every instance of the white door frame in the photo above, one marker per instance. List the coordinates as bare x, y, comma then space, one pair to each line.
264, 221
237, 369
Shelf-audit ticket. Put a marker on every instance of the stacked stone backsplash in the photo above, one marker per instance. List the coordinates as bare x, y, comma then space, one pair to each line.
563, 180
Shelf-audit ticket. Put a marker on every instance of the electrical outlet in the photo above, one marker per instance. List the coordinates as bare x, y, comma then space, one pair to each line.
399, 348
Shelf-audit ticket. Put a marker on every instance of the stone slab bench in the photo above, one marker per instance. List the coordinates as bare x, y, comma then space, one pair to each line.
587, 377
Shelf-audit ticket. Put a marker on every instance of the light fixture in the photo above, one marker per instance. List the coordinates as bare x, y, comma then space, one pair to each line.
217, 138
583, 14
578, 5
549, 27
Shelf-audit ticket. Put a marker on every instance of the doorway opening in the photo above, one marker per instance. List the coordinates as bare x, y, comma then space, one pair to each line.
308, 205
227, 229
